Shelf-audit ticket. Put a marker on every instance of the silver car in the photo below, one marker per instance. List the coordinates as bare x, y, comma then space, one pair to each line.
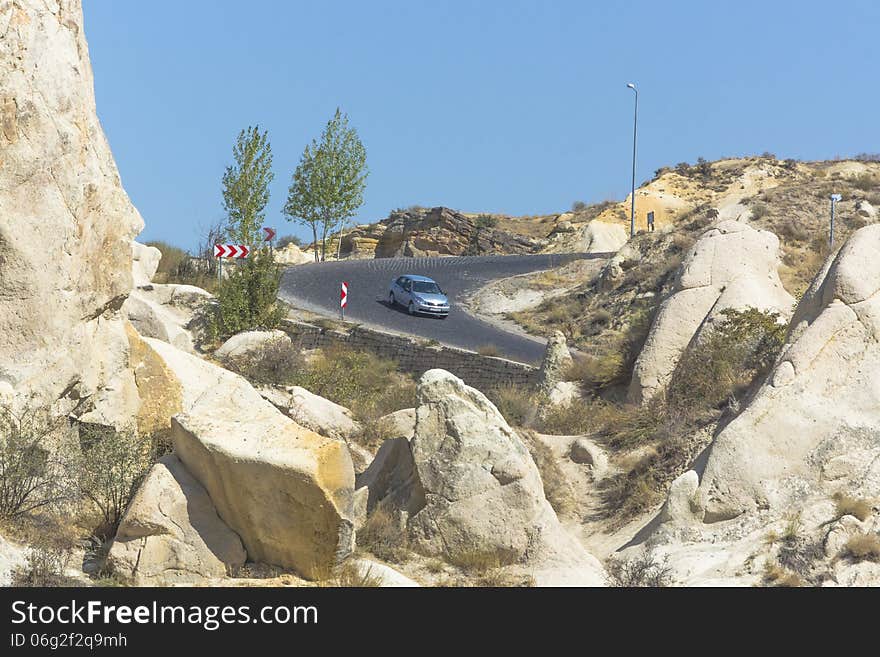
418, 294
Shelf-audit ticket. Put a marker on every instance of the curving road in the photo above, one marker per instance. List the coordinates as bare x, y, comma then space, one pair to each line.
315, 287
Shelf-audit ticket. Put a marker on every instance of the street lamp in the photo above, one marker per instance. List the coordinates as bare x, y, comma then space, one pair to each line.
834, 199
632, 215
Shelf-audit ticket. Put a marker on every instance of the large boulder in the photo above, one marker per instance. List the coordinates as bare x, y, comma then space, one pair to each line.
732, 266
285, 490
313, 412
293, 255
144, 263
815, 421
67, 223
247, 343
171, 533
472, 487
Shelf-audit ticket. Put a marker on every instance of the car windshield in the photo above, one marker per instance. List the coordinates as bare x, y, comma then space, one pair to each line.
426, 287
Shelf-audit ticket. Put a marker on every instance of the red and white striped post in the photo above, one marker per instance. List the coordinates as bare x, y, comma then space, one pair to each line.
343, 299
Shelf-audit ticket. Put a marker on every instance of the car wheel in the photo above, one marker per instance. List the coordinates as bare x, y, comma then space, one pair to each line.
391, 299
412, 308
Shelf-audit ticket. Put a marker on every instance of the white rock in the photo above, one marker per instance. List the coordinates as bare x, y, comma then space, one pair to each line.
476, 489
557, 360
144, 263
67, 224
285, 490
12, 556
248, 342
731, 266
820, 402
171, 533
585, 451
400, 423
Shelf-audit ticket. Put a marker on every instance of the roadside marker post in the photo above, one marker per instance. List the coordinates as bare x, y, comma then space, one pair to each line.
269, 236
343, 299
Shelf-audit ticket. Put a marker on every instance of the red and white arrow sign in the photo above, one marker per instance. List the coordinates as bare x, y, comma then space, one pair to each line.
343, 295
270, 233
231, 251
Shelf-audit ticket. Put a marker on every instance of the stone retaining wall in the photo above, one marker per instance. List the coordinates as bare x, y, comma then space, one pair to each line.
415, 355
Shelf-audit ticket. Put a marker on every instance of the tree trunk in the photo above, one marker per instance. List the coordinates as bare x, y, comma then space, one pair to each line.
315, 240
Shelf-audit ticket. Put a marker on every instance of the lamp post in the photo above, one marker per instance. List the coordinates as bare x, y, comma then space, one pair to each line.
834, 199
632, 215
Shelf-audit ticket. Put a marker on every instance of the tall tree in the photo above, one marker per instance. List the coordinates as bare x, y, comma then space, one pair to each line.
329, 181
246, 186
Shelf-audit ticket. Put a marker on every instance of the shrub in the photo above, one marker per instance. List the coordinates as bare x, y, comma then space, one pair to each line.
644, 570
565, 419
776, 575
852, 506
288, 239
28, 471
247, 299
384, 536
864, 182
45, 563
275, 363
347, 575
108, 469
518, 405
366, 384
578, 206
863, 547
759, 210
738, 350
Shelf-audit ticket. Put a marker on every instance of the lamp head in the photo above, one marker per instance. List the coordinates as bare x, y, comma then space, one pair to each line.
630, 85
836, 197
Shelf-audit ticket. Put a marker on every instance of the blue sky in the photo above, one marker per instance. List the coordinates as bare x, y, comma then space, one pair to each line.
515, 107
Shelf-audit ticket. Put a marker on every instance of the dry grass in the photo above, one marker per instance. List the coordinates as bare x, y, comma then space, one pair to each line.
489, 350
346, 575
776, 575
644, 570
845, 505
863, 547
383, 536
557, 488
517, 404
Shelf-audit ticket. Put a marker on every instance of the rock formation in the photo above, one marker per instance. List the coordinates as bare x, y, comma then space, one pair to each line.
67, 223
286, 491
731, 266
171, 533
815, 422
432, 232
470, 487
557, 359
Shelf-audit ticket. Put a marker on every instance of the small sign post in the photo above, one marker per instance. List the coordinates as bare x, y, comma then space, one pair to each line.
228, 251
834, 199
343, 299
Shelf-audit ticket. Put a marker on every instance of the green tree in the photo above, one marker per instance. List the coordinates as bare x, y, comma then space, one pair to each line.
247, 299
246, 186
329, 181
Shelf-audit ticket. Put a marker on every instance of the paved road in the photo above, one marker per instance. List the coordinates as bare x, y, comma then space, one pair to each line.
315, 287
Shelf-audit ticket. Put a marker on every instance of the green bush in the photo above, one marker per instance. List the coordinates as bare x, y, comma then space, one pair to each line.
739, 350
108, 469
248, 298
28, 472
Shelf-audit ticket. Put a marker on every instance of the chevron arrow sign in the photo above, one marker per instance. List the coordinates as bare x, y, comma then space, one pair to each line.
231, 251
